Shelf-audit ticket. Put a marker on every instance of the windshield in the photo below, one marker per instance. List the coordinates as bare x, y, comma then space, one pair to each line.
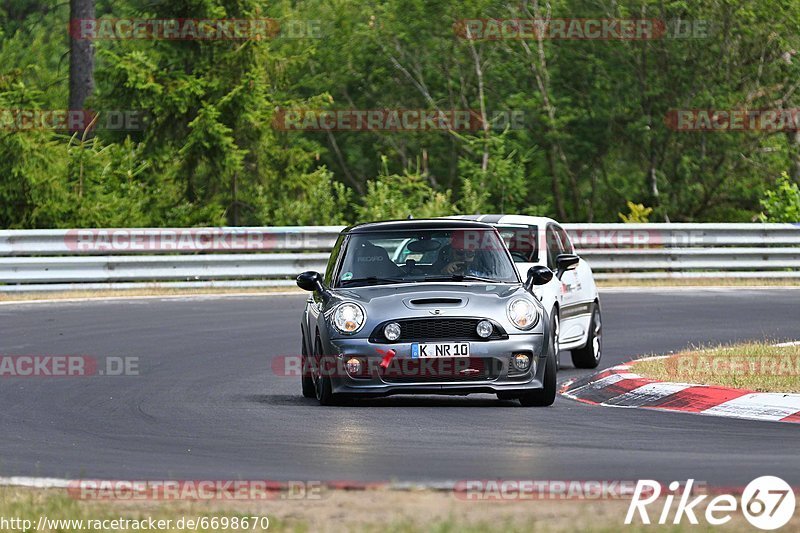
420, 256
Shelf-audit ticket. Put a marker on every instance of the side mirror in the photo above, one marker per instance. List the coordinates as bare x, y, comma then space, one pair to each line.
310, 281
566, 262
538, 275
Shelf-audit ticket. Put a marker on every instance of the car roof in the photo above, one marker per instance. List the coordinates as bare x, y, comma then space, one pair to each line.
507, 219
414, 224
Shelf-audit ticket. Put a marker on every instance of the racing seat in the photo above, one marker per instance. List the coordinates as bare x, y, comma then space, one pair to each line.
371, 260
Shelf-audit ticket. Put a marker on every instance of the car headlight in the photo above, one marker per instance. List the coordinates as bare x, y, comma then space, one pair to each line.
348, 318
522, 313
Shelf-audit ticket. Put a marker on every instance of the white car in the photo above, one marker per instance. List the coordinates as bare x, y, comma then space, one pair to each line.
571, 296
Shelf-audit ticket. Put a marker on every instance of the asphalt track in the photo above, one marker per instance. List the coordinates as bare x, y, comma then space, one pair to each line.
207, 404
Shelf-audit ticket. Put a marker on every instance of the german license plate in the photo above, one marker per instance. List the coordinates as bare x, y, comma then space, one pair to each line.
435, 350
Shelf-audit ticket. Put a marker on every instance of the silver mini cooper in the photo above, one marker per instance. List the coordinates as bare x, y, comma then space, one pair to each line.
425, 307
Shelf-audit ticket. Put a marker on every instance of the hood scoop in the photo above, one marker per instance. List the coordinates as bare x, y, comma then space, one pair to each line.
435, 302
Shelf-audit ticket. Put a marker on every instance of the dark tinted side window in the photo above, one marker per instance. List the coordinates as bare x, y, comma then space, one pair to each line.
553, 246
566, 243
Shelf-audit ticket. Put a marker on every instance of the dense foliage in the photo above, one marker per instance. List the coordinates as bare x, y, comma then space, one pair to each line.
593, 141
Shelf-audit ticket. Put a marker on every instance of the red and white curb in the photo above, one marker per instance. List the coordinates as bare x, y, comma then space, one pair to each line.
619, 386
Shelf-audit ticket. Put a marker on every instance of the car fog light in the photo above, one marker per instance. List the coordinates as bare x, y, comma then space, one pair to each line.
353, 366
392, 331
484, 329
521, 362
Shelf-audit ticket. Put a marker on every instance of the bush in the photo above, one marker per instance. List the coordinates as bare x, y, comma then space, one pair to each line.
399, 196
781, 204
637, 214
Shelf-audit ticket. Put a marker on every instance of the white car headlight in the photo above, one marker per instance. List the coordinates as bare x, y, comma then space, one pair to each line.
348, 318
523, 313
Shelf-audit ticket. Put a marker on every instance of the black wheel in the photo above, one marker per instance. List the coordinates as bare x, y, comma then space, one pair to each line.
547, 394
308, 381
322, 383
589, 356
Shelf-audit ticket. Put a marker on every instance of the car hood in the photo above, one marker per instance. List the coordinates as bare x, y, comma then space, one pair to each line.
414, 291
394, 302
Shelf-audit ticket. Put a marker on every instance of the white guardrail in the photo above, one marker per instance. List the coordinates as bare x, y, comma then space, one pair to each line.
41, 260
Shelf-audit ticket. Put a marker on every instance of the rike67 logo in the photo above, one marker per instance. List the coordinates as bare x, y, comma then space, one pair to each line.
767, 502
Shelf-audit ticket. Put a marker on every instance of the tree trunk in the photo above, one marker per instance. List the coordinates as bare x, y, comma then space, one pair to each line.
555, 186
794, 155
81, 57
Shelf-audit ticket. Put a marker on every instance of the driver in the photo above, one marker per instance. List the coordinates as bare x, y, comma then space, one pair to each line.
461, 261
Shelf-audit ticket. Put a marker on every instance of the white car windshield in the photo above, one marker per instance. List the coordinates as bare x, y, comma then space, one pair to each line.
425, 256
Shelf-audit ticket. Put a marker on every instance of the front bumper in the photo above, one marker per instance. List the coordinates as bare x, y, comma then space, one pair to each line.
501, 377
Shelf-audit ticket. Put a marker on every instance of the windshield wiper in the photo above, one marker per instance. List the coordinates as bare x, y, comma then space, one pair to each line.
374, 279
461, 277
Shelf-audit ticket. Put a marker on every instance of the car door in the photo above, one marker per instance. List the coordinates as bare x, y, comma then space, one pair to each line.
571, 286
577, 294
567, 288
583, 283
552, 292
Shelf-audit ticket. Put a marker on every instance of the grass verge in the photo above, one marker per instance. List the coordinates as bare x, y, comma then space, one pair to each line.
757, 366
371, 511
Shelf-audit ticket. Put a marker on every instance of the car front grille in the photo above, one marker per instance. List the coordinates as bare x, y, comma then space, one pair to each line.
438, 329
442, 370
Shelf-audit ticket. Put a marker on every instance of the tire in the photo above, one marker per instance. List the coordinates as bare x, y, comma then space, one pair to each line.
589, 355
547, 394
325, 394
307, 381
323, 390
